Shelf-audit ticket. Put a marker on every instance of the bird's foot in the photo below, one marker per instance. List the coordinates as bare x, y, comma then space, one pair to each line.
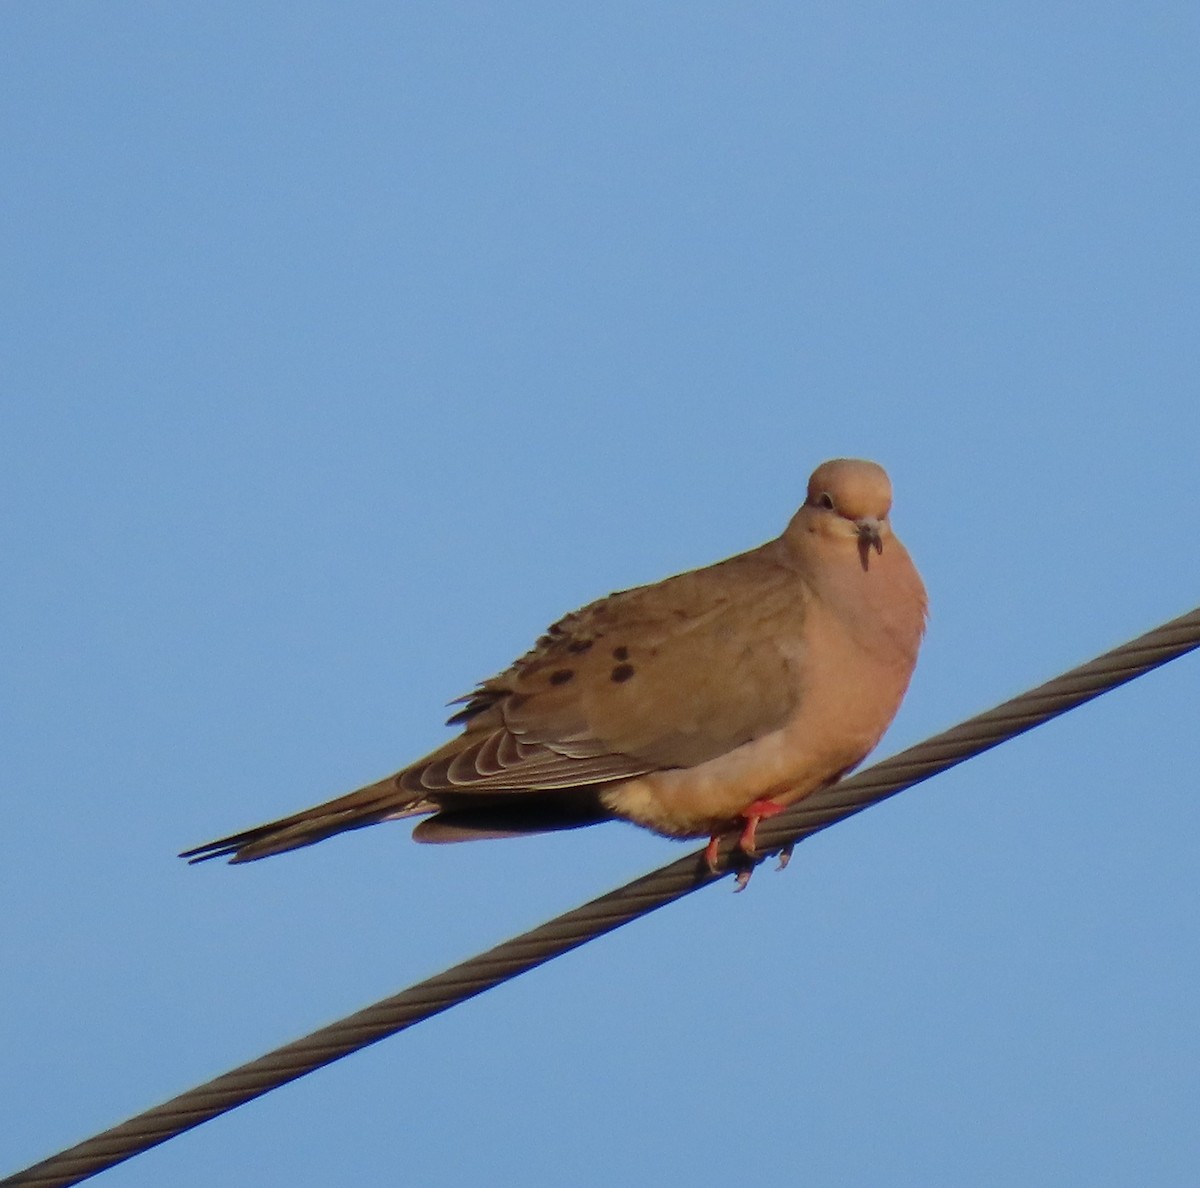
711, 853
746, 851
753, 813
747, 842
745, 863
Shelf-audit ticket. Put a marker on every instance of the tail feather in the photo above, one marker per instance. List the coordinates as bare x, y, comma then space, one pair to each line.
367, 806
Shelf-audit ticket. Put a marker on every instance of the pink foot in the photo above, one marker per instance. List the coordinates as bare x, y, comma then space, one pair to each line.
751, 814
754, 813
710, 852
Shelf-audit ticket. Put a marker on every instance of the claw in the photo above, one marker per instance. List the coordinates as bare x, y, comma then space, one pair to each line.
785, 856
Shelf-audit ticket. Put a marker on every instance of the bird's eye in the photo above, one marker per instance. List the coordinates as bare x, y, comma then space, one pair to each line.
825, 500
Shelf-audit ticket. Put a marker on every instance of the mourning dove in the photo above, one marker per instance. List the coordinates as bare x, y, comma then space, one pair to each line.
693, 707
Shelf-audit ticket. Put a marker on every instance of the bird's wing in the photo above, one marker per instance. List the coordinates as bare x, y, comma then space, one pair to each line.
668, 675
661, 676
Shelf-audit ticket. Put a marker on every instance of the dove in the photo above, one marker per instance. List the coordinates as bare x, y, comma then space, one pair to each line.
695, 706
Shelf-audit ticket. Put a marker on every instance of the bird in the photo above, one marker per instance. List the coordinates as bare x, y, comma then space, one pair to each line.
694, 707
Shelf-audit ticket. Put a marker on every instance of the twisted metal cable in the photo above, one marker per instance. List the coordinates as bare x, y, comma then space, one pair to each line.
610, 911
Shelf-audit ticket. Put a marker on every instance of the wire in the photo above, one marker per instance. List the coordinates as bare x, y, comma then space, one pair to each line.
610, 911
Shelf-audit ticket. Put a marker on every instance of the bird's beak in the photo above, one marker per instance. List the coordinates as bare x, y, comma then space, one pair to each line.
869, 535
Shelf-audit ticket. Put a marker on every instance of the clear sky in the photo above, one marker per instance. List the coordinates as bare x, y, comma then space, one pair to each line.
345, 346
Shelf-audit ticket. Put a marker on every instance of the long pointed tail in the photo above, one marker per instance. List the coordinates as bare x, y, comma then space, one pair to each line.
367, 806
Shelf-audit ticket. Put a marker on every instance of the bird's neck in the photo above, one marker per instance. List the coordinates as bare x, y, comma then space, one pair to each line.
879, 597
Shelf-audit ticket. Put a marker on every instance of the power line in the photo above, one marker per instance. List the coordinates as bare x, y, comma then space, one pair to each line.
610, 911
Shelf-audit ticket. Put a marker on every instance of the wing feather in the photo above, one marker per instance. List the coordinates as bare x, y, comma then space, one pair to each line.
656, 677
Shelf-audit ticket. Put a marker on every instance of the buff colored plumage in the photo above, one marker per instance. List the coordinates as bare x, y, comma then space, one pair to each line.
693, 706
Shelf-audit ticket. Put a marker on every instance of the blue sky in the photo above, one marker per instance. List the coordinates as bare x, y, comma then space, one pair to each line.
343, 347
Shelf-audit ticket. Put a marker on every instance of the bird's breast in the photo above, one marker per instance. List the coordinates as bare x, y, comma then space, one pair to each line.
847, 680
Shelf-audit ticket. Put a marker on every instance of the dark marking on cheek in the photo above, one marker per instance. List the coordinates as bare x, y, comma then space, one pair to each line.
621, 653
561, 676
622, 672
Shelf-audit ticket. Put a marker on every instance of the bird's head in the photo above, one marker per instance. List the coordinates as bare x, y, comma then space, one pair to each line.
848, 500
